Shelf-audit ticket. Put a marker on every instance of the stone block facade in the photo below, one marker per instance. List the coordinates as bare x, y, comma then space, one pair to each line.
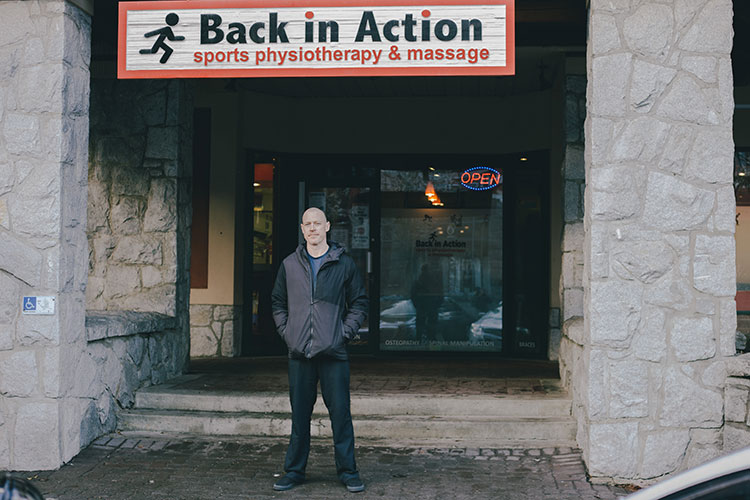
571, 276
139, 213
63, 375
139, 208
737, 404
44, 124
125, 351
215, 330
659, 316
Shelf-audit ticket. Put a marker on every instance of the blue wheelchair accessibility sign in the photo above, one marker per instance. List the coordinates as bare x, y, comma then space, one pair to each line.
38, 305
29, 304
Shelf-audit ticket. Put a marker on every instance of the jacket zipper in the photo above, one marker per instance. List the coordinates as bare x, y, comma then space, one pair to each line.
308, 268
308, 345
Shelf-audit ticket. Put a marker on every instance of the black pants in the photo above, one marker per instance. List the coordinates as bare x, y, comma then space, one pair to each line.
303, 391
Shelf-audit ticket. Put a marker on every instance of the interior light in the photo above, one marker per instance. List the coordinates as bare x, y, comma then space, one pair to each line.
432, 169
431, 195
256, 184
436, 175
466, 227
523, 158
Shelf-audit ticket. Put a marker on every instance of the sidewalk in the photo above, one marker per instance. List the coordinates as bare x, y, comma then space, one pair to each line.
190, 467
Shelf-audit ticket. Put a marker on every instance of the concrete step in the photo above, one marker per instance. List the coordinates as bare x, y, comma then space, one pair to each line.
488, 430
396, 404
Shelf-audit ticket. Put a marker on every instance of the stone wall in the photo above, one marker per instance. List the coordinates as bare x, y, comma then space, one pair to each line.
737, 404
215, 330
659, 256
125, 351
138, 155
44, 105
139, 214
571, 276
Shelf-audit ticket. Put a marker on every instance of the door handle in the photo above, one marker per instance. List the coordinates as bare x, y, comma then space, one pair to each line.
369, 262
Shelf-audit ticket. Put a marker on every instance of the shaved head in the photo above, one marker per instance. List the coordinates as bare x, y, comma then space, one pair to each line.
313, 211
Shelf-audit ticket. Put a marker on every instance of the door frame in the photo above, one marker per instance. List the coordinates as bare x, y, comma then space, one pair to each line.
250, 346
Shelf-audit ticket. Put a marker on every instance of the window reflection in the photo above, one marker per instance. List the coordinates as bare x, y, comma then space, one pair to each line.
441, 264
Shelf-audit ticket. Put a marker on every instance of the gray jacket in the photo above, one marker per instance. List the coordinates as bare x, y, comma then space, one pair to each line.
323, 322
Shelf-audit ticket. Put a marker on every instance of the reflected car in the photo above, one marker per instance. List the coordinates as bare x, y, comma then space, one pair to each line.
724, 478
453, 319
402, 311
489, 327
399, 321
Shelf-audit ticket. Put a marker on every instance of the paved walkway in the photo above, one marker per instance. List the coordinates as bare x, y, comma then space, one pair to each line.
157, 467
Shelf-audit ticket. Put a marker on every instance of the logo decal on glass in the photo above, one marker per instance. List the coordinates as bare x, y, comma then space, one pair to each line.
481, 178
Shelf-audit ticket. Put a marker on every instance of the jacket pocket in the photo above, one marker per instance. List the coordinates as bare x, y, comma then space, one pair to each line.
337, 339
293, 336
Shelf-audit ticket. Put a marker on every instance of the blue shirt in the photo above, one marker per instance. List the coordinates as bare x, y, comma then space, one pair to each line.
315, 263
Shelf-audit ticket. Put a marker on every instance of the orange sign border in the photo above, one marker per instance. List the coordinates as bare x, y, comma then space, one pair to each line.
124, 73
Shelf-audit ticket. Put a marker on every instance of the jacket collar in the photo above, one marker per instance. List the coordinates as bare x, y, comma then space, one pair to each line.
335, 251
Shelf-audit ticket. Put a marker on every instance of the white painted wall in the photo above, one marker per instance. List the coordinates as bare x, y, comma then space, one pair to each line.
221, 239
742, 237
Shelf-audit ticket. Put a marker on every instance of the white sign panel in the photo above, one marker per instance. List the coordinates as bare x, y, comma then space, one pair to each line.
38, 305
173, 39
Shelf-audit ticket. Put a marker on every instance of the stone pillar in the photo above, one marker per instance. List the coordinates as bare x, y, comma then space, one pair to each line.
659, 257
571, 276
44, 102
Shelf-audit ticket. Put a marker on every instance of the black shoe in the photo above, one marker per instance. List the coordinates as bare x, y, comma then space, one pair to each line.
354, 485
285, 483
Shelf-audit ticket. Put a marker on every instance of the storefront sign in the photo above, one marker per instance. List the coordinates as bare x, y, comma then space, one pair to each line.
481, 178
233, 38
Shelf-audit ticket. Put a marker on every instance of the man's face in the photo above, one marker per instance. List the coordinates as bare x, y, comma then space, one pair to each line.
314, 226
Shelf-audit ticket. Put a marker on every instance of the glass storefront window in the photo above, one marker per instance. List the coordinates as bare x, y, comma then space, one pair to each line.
441, 263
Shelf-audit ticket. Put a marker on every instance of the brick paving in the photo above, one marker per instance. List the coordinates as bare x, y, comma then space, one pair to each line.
191, 467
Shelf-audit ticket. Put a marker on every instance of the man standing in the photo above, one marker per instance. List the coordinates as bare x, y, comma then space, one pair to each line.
319, 303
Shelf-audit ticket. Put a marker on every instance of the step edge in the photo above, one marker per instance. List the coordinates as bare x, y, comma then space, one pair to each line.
194, 414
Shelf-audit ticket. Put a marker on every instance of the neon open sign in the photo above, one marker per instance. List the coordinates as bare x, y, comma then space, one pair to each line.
481, 178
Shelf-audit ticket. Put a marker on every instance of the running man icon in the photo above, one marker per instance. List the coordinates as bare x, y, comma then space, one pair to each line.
164, 33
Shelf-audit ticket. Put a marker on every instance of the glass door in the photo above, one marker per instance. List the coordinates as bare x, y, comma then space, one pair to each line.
261, 261
349, 211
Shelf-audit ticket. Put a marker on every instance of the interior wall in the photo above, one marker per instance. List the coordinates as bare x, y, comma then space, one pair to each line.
222, 258
742, 237
742, 141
